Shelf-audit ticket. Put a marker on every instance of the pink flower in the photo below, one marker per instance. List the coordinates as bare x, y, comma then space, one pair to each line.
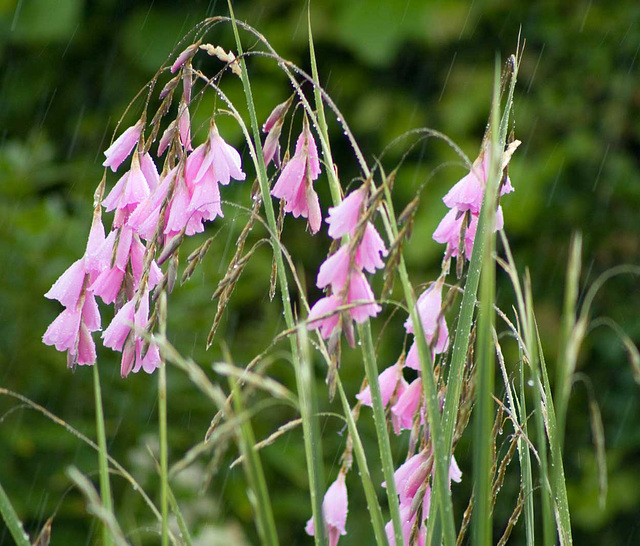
455, 474
129, 191
186, 55
391, 382
370, 250
334, 270
219, 159
295, 183
334, 510
408, 521
69, 285
273, 128
408, 404
184, 126
70, 331
123, 334
344, 217
325, 308
359, 289
122, 147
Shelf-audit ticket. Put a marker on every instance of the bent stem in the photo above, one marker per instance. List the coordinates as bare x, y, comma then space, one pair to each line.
105, 487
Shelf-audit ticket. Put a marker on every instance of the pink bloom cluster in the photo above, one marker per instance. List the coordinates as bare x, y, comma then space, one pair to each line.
458, 228
413, 478
295, 183
147, 207
334, 511
343, 271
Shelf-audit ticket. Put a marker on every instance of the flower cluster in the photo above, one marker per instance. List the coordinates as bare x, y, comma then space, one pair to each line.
343, 271
295, 183
458, 228
157, 209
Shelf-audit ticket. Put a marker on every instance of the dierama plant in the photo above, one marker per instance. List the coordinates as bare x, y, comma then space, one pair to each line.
170, 189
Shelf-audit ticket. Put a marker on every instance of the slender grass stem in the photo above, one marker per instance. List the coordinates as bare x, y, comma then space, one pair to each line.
164, 457
259, 497
11, 519
382, 433
441, 455
373, 505
313, 461
105, 486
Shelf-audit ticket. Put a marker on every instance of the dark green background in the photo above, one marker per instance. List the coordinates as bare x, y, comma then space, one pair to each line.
69, 68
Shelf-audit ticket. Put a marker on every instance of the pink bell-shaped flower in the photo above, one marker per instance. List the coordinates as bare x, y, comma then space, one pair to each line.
122, 146
334, 510
295, 183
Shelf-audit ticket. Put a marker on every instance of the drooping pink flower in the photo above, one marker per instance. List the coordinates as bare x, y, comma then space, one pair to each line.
334, 510
334, 270
70, 331
216, 156
323, 315
390, 381
122, 146
184, 56
124, 335
408, 520
434, 325
69, 285
359, 290
408, 404
184, 126
371, 250
129, 191
295, 183
273, 128
344, 217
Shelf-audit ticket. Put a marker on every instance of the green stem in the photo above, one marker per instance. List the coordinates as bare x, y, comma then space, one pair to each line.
313, 462
365, 477
255, 474
371, 370
442, 456
105, 487
162, 417
11, 519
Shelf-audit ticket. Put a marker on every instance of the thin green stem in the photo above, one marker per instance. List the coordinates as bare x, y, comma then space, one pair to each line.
164, 458
259, 496
105, 487
11, 519
382, 433
314, 463
365, 477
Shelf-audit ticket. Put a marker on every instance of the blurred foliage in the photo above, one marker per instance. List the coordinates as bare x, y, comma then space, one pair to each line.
68, 69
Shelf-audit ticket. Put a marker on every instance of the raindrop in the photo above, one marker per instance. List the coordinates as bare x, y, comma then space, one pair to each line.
530, 382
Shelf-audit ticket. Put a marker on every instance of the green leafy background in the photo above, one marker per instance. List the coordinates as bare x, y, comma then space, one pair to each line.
68, 69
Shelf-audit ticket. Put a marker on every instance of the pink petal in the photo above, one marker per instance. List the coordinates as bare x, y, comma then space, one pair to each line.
335, 505
69, 285
408, 404
368, 255
63, 331
86, 347
359, 289
107, 284
290, 179
187, 54
122, 147
343, 218
226, 158
117, 332
150, 171
455, 473
313, 207
322, 307
466, 194
91, 312
334, 270
96, 239
388, 381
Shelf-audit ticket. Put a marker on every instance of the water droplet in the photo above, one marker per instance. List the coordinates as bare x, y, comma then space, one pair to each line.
530, 382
